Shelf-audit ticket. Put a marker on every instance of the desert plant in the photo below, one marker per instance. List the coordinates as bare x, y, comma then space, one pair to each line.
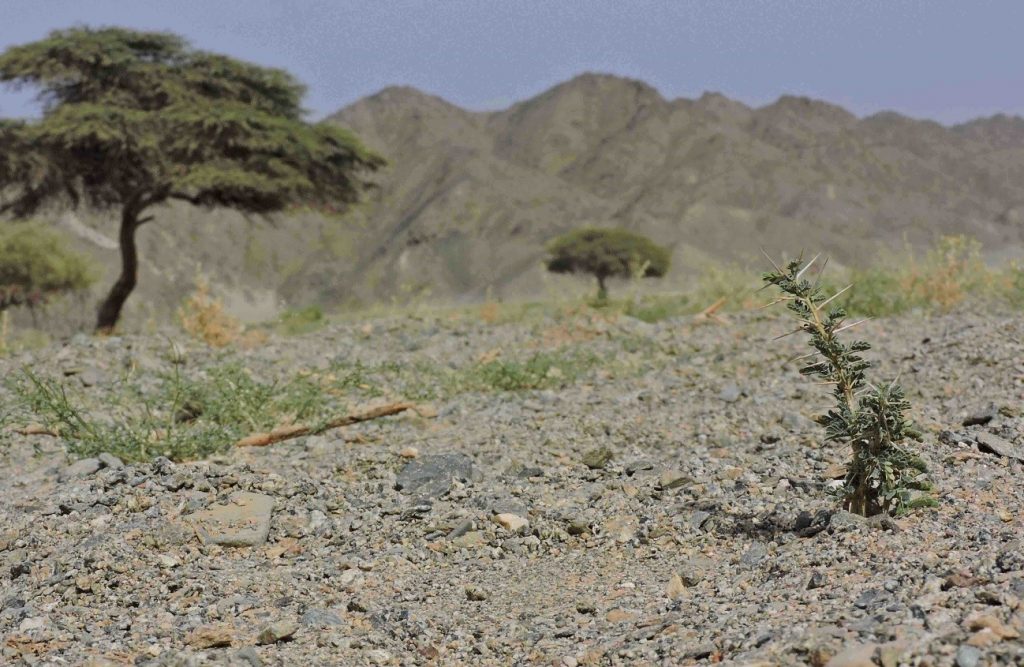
607, 253
203, 317
35, 264
882, 474
132, 120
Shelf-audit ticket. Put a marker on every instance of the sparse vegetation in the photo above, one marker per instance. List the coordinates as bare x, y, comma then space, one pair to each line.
882, 474
35, 266
203, 317
607, 253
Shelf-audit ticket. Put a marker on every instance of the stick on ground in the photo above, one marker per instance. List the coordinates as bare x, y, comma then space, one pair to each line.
297, 430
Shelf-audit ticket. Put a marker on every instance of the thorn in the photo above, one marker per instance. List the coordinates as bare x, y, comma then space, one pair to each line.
850, 326
806, 266
768, 257
820, 273
826, 301
802, 356
777, 301
789, 333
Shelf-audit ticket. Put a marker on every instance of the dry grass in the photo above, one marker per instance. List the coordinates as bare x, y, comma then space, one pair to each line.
203, 317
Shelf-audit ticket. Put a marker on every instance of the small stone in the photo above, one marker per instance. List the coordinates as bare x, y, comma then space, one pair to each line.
409, 453
989, 442
512, 522
982, 416
319, 618
249, 655
817, 580
695, 570
432, 476
967, 656
675, 587
672, 479
277, 632
110, 461
211, 636
730, 393
619, 616
598, 458
859, 655
754, 555
474, 538
243, 522
80, 469
475, 593
993, 624
168, 561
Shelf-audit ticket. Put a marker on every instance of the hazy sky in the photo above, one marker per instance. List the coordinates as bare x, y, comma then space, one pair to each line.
949, 60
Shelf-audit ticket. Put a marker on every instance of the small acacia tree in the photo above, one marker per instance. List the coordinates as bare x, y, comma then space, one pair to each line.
607, 253
133, 119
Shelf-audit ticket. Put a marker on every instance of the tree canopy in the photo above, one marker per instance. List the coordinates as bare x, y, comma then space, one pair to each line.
607, 253
135, 119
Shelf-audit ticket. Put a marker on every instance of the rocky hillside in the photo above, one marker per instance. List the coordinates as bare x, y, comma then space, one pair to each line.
711, 177
469, 199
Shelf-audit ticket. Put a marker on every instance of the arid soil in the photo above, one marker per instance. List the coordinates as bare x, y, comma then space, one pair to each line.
657, 498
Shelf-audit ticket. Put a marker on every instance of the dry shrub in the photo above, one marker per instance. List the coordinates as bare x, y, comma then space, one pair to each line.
203, 317
951, 270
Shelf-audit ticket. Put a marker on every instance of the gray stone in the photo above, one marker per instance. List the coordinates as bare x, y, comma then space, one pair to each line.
244, 521
967, 656
989, 442
249, 655
598, 458
110, 461
730, 393
431, 476
754, 555
80, 469
277, 632
319, 618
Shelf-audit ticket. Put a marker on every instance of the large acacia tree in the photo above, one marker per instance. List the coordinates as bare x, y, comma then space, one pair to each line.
607, 253
132, 120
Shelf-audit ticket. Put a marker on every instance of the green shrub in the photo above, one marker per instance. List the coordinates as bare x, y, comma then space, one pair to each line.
883, 475
35, 264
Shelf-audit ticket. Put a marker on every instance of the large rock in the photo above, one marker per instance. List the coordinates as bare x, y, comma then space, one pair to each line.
243, 522
431, 476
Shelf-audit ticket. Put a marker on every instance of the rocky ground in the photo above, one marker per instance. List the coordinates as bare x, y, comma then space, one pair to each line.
658, 500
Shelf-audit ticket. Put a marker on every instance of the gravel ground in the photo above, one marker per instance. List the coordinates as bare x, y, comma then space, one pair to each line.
663, 506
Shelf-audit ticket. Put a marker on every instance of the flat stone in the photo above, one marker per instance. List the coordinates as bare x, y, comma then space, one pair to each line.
730, 393
988, 442
243, 522
672, 479
277, 632
80, 469
860, 655
598, 458
110, 461
512, 522
211, 636
431, 476
320, 618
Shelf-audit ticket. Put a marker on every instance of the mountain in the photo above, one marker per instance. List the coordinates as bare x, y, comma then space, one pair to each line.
469, 199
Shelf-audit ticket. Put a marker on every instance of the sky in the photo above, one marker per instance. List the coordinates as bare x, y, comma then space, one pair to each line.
947, 60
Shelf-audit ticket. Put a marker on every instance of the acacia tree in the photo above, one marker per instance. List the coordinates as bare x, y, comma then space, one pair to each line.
607, 253
132, 120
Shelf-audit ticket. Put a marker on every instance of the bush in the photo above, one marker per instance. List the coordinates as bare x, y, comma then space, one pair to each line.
35, 265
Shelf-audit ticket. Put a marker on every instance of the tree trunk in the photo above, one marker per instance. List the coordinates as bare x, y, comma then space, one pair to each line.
110, 309
602, 289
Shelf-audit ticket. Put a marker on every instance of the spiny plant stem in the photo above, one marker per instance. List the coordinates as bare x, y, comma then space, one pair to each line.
881, 474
